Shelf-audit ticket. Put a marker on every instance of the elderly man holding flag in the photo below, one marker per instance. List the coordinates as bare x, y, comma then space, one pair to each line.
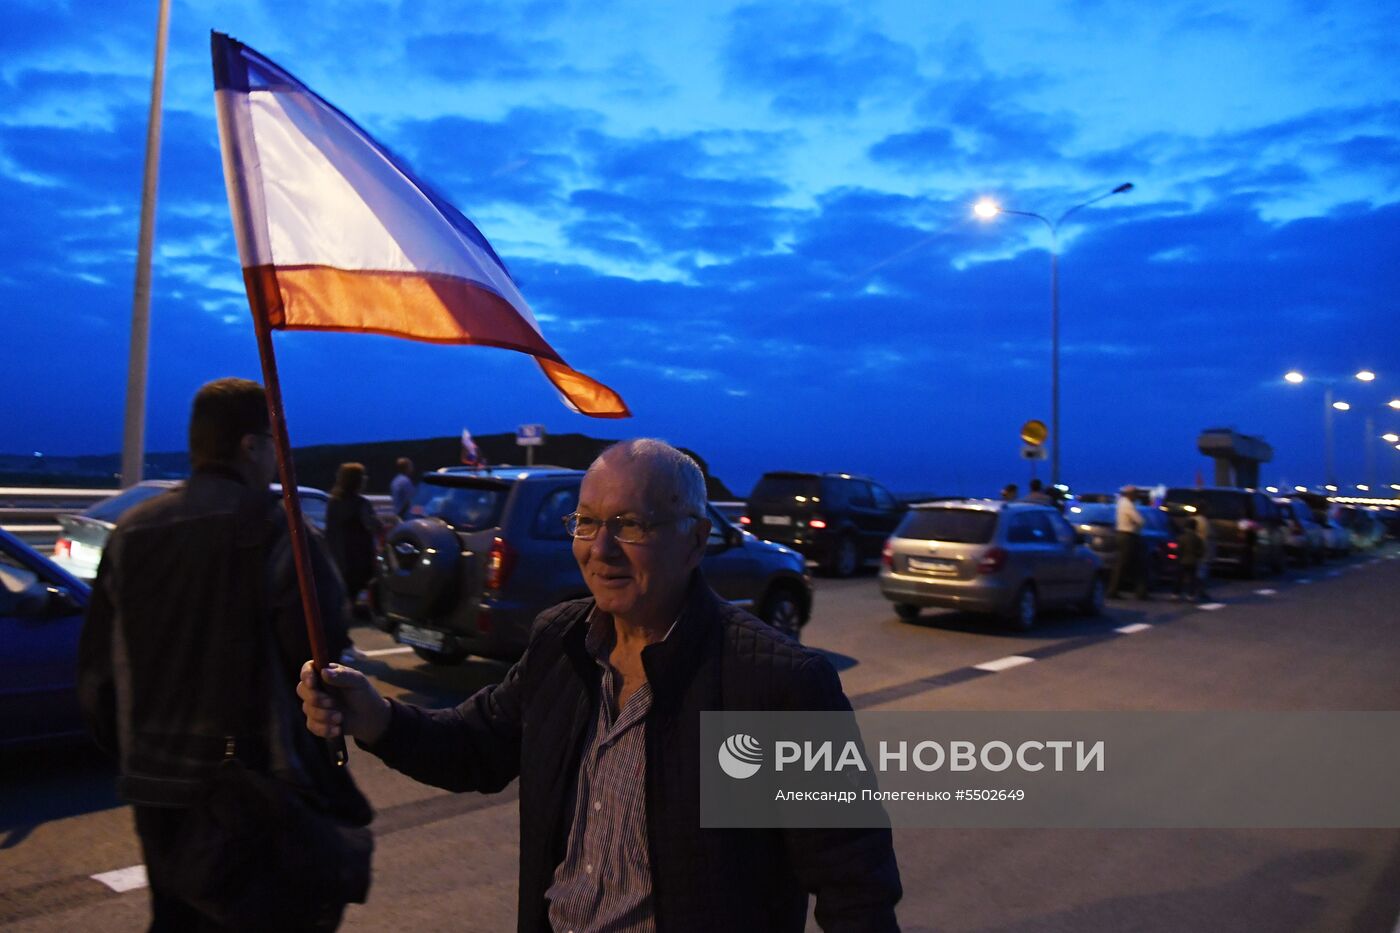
600, 723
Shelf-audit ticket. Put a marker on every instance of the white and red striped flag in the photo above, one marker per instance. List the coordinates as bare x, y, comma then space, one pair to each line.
335, 233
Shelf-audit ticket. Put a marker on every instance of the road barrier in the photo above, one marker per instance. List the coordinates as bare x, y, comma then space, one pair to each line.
31, 513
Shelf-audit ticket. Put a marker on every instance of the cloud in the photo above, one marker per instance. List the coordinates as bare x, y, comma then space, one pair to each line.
484, 56
813, 58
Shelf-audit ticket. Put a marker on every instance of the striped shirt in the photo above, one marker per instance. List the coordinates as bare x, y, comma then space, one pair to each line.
604, 883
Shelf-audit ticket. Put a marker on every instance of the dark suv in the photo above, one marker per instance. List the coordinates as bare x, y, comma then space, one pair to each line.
485, 551
836, 519
1248, 527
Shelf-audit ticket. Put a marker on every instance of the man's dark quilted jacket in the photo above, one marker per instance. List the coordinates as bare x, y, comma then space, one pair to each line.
533, 724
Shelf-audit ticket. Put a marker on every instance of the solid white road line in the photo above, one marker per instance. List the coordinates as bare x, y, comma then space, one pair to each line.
124, 879
1001, 664
381, 652
1211, 607
1133, 629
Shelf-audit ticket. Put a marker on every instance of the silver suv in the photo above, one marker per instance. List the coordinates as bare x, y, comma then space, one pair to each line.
1009, 559
485, 551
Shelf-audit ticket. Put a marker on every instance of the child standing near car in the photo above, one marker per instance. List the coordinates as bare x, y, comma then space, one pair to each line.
1190, 556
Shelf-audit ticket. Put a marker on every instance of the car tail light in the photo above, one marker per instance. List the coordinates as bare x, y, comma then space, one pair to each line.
887, 555
63, 548
499, 564
817, 523
992, 561
745, 520
1172, 548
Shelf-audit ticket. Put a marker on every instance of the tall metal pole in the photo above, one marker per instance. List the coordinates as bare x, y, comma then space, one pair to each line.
1327, 431
134, 431
1054, 228
1371, 452
1054, 356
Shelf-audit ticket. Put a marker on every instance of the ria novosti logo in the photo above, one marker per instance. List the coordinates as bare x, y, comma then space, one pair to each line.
740, 756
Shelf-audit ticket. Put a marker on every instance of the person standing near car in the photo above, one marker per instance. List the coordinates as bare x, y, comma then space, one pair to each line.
350, 528
600, 721
1190, 554
188, 659
402, 488
1038, 495
1128, 524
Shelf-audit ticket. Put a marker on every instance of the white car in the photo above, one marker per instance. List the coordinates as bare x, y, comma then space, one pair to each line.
78, 549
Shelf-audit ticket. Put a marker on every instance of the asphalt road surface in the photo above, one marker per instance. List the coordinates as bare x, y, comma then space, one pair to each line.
1321, 639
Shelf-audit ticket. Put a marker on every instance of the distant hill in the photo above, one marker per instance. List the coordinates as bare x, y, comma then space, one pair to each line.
316, 465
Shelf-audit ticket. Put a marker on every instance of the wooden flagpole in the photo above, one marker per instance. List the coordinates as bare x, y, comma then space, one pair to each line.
261, 302
261, 285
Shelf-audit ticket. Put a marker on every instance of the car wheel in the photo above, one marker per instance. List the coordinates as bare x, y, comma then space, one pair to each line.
844, 558
906, 611
1093, 600
1025, 609
445, 658
782, 609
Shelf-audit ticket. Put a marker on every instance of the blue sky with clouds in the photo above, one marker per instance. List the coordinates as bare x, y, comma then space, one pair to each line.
754, 221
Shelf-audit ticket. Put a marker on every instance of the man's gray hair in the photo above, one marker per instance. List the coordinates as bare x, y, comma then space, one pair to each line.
680, 483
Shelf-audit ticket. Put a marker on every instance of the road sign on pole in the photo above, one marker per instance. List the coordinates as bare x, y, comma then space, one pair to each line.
1033, 432
1033, 452
530, 436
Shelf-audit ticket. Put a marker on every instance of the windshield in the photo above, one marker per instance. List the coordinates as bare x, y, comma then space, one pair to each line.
109, 510
1215, 503
465, 508
960, 526
1094, 513
787, 488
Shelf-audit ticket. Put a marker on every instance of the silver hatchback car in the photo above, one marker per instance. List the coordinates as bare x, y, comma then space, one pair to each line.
1009, 559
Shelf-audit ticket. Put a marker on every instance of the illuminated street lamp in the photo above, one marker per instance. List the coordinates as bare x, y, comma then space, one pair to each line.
1294, 377
986, 209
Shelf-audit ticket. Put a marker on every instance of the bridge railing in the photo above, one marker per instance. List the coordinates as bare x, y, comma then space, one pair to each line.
31, 513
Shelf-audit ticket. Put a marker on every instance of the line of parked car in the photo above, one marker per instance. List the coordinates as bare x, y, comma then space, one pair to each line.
1013, 559
484, 551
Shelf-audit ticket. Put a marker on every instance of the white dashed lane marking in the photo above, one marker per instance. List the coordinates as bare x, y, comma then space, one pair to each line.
381, 652
1303, 580
124, 879
1133, 629
1211, 607
1266, 592
1002, 664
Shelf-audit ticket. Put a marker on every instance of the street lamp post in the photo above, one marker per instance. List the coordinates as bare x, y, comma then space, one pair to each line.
1329, 405
987, 209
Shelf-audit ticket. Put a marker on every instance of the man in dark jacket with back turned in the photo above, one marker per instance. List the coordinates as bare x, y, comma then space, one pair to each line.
600, 720
194, 607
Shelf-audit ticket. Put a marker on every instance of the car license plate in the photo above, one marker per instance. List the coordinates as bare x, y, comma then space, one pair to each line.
420, 637
777, 520
933, 565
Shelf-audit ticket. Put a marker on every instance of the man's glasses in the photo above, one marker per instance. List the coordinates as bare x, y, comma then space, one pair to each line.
623, 529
